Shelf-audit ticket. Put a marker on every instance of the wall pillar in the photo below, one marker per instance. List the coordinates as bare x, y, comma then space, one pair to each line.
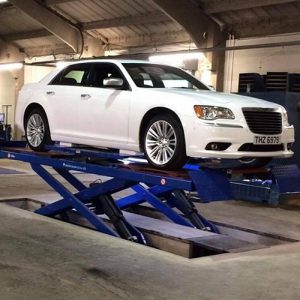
217, 39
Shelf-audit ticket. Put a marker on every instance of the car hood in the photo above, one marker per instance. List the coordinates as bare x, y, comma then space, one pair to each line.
216, 98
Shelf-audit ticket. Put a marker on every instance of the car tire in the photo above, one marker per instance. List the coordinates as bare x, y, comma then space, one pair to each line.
164, 143
37, 130
255, 162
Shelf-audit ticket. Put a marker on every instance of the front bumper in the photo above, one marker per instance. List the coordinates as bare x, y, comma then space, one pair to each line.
198, 134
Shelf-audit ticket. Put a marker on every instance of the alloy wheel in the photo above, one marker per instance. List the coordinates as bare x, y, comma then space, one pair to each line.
35, 130
161, 142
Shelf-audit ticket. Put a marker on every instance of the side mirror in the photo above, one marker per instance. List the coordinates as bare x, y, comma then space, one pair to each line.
113, 82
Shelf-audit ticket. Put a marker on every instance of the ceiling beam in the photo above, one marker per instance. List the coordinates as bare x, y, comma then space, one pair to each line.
150, 40
51, 22
54, 2
152, 17
189, 16
273, 26
48, 50
219, 6
26, 35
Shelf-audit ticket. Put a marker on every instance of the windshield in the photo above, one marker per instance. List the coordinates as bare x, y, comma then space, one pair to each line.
161, 76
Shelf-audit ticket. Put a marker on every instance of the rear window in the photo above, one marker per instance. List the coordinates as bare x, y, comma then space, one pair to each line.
74, 75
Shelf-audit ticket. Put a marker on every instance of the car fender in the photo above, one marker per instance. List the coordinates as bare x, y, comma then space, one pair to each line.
145, 100
29, 95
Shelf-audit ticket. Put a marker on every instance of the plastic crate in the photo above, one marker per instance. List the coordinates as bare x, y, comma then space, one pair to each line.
294, 83
255, 191
277, 81
251, 82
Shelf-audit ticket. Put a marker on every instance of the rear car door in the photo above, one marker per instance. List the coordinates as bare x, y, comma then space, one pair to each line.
66, 95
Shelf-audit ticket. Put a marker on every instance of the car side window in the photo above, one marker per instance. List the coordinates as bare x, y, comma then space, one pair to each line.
144, 78
74, 75
102, 71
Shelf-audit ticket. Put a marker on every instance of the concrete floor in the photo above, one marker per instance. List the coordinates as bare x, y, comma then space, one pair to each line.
41, 258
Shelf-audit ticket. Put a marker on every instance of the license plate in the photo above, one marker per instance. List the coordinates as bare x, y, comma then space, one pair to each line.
266, 140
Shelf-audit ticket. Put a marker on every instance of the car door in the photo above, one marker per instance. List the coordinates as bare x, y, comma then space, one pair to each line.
106, 107
65, 96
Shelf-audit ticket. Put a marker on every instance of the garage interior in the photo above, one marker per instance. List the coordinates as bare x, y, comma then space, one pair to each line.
246, 47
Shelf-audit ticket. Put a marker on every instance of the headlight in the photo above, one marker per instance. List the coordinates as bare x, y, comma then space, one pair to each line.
285, 118
213, 112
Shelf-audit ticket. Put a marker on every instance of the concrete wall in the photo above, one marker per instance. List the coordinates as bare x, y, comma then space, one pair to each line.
10, 84
7, 93
279, 59
35, 73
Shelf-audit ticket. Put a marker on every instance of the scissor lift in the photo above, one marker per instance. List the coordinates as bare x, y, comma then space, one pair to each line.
165, 191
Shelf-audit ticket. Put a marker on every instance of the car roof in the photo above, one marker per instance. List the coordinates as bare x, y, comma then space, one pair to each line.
122, 61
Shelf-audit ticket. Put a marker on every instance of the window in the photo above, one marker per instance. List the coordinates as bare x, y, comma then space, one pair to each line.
161, 76
73, 75
101, 71
171, 80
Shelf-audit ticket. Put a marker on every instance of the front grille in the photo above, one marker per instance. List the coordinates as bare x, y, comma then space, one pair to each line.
263, 121
261, 148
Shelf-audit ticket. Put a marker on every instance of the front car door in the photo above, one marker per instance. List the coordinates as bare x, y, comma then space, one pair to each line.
107, 107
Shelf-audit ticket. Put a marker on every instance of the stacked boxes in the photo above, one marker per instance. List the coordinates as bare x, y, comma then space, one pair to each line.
271, 82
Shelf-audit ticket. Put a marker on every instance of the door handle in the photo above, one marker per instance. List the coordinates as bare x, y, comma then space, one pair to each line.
50, 93
85, 96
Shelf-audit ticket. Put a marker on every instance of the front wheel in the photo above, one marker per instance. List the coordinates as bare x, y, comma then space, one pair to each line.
37, 130
164, 143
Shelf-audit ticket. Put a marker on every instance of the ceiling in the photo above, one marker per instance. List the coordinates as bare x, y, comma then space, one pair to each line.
68, 26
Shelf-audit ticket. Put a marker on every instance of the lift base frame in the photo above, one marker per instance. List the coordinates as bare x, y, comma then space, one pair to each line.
163, 190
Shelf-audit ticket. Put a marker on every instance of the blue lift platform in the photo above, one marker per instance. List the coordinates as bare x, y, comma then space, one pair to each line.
165, 191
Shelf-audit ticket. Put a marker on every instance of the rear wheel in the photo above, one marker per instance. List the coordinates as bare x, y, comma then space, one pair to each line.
37, 130
164, 143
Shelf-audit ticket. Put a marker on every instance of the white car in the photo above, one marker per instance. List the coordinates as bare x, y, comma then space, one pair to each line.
157, 109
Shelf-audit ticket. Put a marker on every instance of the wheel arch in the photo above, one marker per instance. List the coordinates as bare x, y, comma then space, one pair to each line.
152, 113
29, 108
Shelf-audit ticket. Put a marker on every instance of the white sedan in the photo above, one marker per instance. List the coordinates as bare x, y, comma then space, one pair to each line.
156, 109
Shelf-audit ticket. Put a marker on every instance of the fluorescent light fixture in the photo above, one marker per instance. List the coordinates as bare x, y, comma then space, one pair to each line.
11, 67
176, 58
3, 1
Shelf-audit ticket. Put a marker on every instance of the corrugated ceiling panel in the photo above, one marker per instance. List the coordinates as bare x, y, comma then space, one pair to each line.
297, 5
13, 20
138, 30
230, 17
290, 9
39, 42
93, 10
274, 12
260, 13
